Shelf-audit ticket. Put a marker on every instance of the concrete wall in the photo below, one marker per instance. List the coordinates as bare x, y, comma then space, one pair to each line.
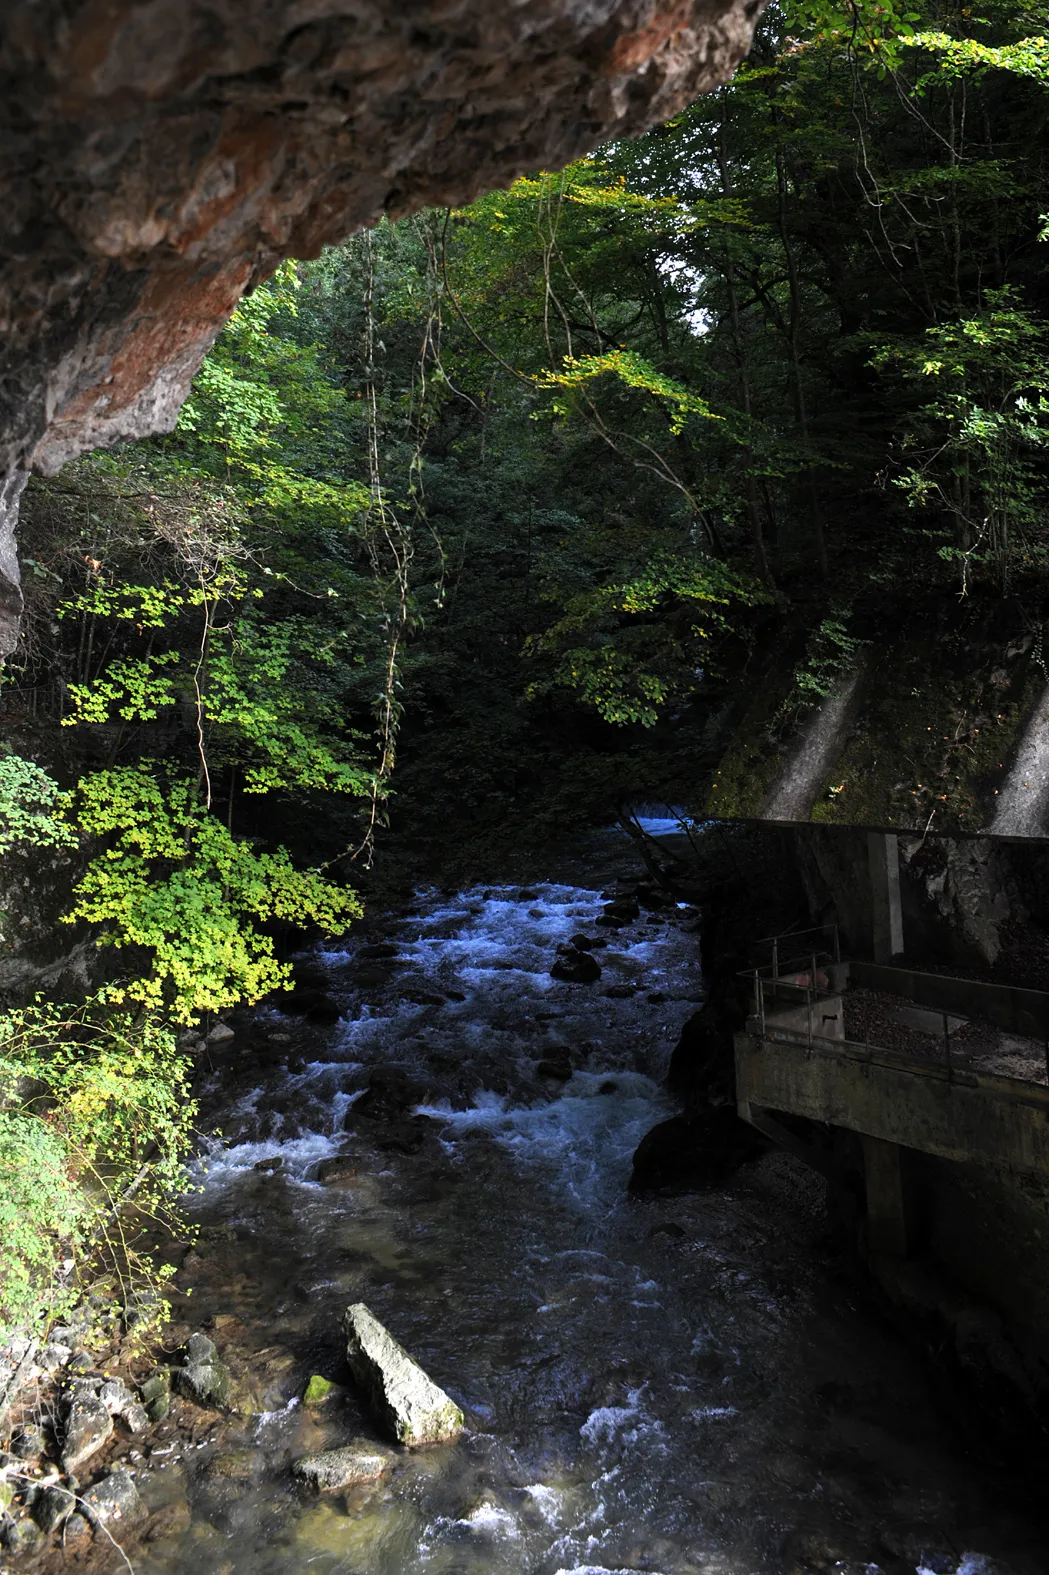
969, 1117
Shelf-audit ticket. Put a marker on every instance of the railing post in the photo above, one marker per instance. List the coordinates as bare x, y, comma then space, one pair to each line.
775, 956
947, 1048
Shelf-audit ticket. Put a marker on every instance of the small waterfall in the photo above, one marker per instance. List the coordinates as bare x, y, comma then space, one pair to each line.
793, 795
1023, 800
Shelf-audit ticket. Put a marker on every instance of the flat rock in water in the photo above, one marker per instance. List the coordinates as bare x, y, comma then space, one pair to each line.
405, 1399
349, 1466
88, 1426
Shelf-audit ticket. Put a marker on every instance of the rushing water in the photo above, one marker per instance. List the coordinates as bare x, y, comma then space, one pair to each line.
688, 1386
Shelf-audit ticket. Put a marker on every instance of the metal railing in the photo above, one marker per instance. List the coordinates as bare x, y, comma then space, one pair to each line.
788, 951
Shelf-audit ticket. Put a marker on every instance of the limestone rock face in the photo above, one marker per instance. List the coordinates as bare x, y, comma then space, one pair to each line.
405, 1400
157, 157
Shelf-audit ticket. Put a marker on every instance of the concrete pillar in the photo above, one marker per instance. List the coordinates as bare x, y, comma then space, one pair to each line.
883, 859
886, 1203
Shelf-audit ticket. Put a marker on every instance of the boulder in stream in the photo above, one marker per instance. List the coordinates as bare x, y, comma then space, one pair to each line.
694, 1151
576, 967
406, 1401
338, 1170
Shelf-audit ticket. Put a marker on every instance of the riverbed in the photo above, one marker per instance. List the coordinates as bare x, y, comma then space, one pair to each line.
692, 1385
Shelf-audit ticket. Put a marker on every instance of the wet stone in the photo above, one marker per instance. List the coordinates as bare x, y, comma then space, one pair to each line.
318, 1390
114, 1499
23, 1538
29, 1441
234, 1465
208, 1383
340, 1168
52, 1507
274, 1163
200, 1349
156, 1395
559, 1070
575, 967
116, 1396
350, 1466
88, 1426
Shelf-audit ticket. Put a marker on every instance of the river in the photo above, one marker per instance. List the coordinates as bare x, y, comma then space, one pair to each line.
693, 1385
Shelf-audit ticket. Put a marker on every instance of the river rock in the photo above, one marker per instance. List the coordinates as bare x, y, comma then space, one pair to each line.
23, 1538
204, 1378
390, 1095
208, 1383
235, 1465
28, 1442
220, 1034
55, 1355
114, 1499
405, 1399
156, 1395
52, 1507
587, 943
699, 1150
561, 1071
575, 967
340, 1168
405, 1137
88, 1426
349, 1466
116, 1396
318, 1390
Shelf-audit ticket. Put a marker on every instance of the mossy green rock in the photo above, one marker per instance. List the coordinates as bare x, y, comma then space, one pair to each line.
318, 1390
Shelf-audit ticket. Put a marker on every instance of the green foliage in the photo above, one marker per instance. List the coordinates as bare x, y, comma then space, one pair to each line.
633, 371
973, 453
95, 1110
41, 1208
830, 653
635, 663
179, 896
30, 807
